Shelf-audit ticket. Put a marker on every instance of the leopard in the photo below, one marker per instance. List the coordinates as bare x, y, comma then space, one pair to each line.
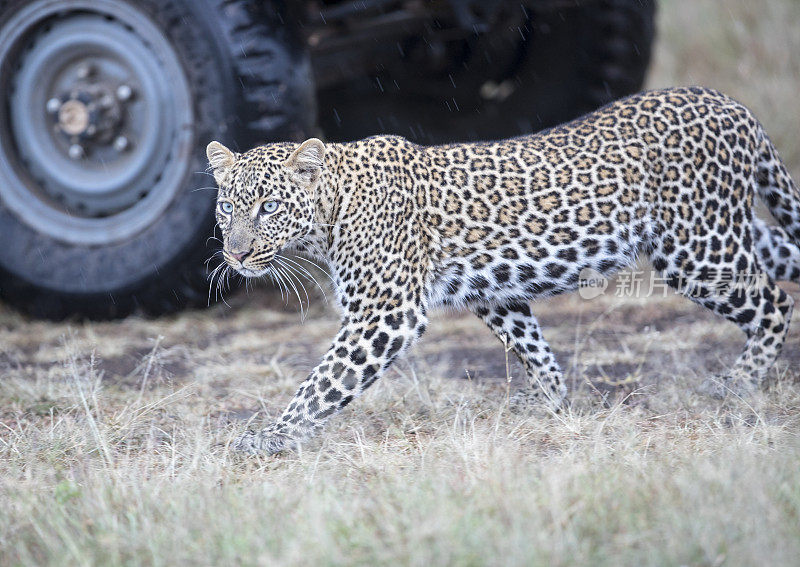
666, 175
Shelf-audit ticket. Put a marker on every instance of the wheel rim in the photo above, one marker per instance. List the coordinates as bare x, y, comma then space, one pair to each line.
99, 128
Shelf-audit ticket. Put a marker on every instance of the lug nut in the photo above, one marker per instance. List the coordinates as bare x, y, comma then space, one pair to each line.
85, 70
124, 92
121, 143
76, 151
53, 105
91, 130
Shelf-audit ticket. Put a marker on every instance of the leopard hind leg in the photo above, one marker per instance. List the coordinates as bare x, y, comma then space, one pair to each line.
749, 297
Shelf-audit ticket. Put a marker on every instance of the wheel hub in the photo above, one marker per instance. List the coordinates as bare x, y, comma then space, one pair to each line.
73, 117
99, 114
90, 112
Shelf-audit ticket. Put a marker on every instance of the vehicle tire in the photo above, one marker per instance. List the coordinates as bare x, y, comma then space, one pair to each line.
531, 70
105, 110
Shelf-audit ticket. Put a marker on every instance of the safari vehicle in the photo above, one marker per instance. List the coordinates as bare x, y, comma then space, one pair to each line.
106, 107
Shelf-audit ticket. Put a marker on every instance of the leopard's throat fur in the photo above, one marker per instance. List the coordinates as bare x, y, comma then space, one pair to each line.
668, 174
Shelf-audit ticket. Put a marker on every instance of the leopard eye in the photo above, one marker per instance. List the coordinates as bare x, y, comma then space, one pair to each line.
269, 207
226, 207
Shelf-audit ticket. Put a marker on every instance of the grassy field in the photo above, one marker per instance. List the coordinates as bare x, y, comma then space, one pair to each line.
114, 436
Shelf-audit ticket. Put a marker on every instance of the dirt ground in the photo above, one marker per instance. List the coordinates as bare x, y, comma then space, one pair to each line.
607, 346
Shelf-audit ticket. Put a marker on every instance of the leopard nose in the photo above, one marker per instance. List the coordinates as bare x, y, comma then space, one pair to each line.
240, 256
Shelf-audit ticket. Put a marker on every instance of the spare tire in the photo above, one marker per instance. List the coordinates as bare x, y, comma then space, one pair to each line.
106, 108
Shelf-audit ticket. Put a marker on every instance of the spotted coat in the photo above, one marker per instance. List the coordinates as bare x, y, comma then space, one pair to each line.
669, 174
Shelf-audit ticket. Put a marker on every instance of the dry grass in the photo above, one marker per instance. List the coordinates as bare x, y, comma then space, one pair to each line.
117, 453
113, 436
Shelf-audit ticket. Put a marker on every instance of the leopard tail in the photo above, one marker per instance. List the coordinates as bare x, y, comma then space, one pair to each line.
778, 247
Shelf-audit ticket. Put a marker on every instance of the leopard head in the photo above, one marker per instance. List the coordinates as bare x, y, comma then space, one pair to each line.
265, 201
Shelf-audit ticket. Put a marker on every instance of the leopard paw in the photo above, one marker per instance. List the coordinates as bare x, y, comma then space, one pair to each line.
528, 401
268, 441
721, 386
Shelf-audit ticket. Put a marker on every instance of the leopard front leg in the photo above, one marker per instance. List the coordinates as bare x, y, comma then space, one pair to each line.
518, 329
363, 349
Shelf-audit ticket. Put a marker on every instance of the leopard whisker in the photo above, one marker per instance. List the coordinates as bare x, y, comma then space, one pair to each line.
281, 284
206, 188
218, 289
285, 285
291, 283
271, 274
215, 270
213, 273
312, 248
296, 292
223, 282
317, 266
291, 273
217, 253
216, 283
217, 274
305, 272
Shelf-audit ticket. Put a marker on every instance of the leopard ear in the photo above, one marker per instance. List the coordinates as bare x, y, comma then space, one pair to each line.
306, 162
220, 159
